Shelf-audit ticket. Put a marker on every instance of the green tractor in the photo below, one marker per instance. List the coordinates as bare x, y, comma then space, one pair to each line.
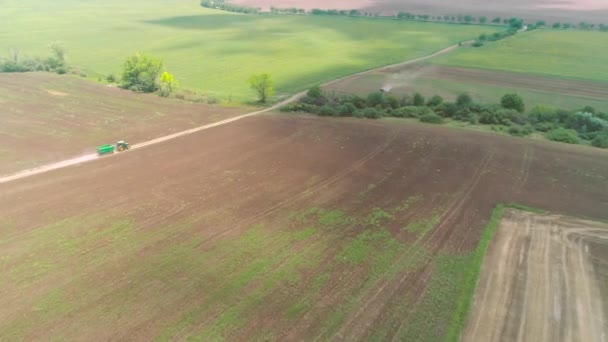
109, 149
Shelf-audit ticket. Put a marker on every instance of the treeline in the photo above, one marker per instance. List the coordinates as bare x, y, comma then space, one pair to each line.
56, 62
509, 116
222, 5
461, 18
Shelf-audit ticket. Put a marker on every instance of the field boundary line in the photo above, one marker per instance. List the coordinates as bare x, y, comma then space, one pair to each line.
295, 97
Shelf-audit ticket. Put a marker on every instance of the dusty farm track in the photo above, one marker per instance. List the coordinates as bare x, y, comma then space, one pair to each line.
543, 279
261, 236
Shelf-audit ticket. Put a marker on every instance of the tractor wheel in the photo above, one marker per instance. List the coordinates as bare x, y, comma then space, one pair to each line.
120, 149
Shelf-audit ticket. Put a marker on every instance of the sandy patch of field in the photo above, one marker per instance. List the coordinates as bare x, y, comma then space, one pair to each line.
56, 93
543, 279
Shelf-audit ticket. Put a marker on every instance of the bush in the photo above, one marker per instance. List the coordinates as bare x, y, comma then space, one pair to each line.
372, 113
410, 112
568, 136
347, 109
447, 109
477, 43
327, 110
431, 118
111, 78
520, 131
435, 101
601, 140
418, 100
466, 115
141, 73
513, 101
375, 99
392, 102
542, 114
586, 122
494, 118
464, 100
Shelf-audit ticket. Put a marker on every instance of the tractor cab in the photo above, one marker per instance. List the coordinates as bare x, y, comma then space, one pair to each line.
122, 146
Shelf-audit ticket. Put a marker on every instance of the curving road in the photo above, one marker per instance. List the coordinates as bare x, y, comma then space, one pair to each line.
93, 156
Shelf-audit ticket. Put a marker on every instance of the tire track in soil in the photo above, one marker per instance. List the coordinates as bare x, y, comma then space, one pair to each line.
390, 288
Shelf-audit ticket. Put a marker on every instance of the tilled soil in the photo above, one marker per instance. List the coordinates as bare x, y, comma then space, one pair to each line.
129, 247
543, 279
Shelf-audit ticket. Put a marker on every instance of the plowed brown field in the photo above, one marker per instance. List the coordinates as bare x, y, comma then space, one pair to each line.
544, 279
274, 227
46, 117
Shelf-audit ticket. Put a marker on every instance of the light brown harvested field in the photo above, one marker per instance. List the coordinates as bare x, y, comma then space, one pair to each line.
573, 11
277, 227
544, 278
47, 117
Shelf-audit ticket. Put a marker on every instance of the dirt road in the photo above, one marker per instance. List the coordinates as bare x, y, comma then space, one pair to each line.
542, 280
89, 157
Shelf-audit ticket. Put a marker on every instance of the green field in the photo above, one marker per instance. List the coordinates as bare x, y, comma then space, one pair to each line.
215, 52
564, 54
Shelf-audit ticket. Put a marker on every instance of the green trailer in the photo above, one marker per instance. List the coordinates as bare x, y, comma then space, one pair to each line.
105, 149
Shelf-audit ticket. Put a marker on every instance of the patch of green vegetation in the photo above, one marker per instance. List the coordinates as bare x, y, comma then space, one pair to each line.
245, 44
408, 203
471, 274
422, 226
566, 54
304, 234
431, 317
298, 308
377, 216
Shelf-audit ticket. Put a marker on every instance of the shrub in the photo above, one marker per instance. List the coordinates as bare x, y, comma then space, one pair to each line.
435, 101
347, 109
327, 110
372, 113
586, 122
464, 100
141, 72
418, 100
392, 101
477, 43
406, 100
466, 115
568, 136
545, 126
167, 84
542, 114
601, 140
375, 99
111, 78
431, 118
520, 131
494, 118
447, 109
513, 101
410, 112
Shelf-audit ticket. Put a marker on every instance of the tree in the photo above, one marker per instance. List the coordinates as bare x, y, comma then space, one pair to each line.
513, 101
374, 99
541, 23
168, 84
516, 23
496, 20
263, 85
435, 101
58, 53
468, 19
482, 20
141, 72
464, 100
557, 25
418, 99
